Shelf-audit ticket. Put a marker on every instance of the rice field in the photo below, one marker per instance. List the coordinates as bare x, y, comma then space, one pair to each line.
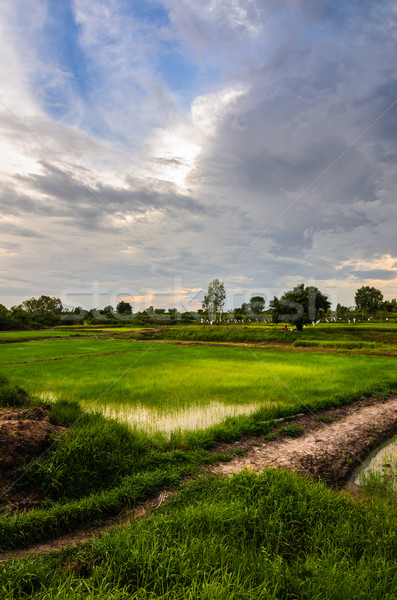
273, 535
165, 387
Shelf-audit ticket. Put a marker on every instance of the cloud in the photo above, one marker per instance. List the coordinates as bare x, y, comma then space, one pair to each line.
241, 139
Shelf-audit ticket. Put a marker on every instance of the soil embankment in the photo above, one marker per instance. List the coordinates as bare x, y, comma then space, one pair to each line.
25, 434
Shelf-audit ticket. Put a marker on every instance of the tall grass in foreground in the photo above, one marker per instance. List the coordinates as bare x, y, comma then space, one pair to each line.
272, 536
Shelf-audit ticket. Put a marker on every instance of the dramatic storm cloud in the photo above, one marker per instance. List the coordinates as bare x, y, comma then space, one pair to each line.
147, 147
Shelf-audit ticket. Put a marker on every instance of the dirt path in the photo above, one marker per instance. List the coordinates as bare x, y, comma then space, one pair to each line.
328, 451
70, 540
333, 443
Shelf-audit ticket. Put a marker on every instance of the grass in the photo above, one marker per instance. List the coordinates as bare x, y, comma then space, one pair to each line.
272, 536
378, 333
292, 430
161, 379
14, 336
11, 394
380, 474
50, 349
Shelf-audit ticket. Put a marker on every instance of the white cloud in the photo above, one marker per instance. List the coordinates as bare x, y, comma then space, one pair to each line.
198, 176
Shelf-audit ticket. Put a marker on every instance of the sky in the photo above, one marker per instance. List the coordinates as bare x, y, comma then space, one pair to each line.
149, 146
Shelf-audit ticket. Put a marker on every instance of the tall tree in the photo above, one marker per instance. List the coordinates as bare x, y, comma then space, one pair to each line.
368, 299
300, 306
214, 300
257, 304
44, 304
124, 308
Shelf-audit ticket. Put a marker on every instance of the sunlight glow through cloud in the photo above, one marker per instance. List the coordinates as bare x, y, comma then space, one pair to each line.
144, 142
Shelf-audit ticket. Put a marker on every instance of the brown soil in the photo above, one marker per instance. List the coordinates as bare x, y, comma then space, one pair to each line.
326, 450
24, 435
333, 443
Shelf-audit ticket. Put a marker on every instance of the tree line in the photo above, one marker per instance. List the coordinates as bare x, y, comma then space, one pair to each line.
298, 306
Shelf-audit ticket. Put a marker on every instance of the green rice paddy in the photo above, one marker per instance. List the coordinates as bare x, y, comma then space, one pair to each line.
272, 536
147, 383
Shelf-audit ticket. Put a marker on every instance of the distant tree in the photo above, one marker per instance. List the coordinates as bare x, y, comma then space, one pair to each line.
239, 314
124, 308
344, 312
44, 304
172, 312
159, 311
108, 311
187, 317
390, 305
245, 308
214, 300
5, 320
257, 304
300, 306
368, 299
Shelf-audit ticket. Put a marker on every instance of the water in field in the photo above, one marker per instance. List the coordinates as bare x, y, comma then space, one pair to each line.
380, 467
184, 419
152, 420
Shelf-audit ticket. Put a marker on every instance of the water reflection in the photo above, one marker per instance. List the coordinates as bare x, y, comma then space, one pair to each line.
382, 464
190, 418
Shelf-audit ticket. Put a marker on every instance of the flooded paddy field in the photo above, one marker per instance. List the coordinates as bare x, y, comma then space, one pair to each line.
166, 387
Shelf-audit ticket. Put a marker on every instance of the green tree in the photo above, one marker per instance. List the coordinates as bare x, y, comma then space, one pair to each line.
390, 305
187, 317
44, 304
300, 306
344, 312
124, 308
257, 304
239, 314
368, 299
214, 300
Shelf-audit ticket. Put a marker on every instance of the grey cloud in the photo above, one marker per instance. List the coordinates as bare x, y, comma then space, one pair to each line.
317, 75
376, 274
85, 207
17, 230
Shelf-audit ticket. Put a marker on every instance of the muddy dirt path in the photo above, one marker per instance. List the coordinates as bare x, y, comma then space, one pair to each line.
329, 451
332, 445
70, 540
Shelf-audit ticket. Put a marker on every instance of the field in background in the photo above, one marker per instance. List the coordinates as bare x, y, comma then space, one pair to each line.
164, 387
14, 336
